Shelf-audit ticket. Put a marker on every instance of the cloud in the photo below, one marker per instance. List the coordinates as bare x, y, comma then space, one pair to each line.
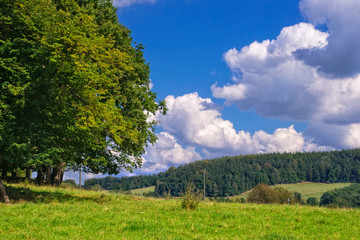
127, 3
193, 129
338, 136
166, 153
197, 122
278, 79
341, 57
270, 79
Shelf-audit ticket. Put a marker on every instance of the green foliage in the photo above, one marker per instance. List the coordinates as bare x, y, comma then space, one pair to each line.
96, 187
191, 197
297, 198
122, 184
68, 183
73, 89
345, 197
312, 201
263, 193
229, 176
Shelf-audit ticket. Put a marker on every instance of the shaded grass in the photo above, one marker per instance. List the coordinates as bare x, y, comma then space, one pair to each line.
21, 193
131, 217
307, 189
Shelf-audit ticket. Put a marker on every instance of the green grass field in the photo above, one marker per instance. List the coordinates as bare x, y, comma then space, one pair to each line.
140, 191
50, 213
307, 189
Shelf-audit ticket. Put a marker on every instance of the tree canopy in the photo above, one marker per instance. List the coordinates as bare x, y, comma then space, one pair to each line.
74, 89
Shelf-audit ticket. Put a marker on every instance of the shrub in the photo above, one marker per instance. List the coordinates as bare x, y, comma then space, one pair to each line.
344, 197
262, 193
312, 201
68, 183
96, 187
191, 197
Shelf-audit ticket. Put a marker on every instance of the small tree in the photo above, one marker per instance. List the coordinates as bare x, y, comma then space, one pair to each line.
191, 197
261, 193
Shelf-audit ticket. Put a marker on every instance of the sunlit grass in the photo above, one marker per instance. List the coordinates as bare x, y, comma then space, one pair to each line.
307, 189
140, 191
74, 214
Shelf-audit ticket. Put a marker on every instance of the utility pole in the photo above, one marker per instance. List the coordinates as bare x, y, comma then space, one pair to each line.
204, 186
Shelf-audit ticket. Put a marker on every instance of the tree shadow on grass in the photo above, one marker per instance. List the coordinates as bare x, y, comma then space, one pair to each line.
23, 194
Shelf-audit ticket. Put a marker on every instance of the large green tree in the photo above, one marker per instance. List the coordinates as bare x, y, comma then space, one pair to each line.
74, 89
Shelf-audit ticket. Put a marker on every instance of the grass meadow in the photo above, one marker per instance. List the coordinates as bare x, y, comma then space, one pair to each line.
56, 213
307, 189
140, 191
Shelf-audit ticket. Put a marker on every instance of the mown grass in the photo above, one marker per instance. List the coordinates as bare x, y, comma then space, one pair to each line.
141, 191
307, 189
74, 214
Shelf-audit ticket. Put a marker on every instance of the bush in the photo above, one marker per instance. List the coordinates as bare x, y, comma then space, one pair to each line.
68, 183
191, 197
96, 187
312, 201
262, 193
344, 197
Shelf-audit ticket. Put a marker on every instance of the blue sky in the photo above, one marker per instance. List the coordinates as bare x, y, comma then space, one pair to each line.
185, 42
250, 76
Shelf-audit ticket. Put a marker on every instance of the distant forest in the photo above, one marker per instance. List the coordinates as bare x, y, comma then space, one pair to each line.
228, 176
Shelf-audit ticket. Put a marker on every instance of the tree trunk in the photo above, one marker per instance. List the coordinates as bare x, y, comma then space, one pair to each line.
14, 174
28, 173
4, 171
3, 192
58, 174
48, 176
40, 176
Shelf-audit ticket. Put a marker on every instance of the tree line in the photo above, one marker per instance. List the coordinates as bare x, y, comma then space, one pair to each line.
348, 197
228, 176
121, 184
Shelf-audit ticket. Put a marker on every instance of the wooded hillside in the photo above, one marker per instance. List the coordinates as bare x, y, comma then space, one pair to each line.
229, 176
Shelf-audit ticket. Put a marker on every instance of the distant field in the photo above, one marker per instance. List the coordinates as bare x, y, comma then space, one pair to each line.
307, 189
51, 213
140, 191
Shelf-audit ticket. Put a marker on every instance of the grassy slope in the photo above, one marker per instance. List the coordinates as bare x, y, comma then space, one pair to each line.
307, 189
140, 191
48, 213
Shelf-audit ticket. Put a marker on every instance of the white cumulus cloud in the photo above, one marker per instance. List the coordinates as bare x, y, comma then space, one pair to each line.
341, 57
167, 152
197, 122
305, 73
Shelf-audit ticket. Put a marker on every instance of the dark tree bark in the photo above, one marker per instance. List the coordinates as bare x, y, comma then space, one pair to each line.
58, 174
4, 193
14, 174
48, 176
40, 176
4, 172
28, 173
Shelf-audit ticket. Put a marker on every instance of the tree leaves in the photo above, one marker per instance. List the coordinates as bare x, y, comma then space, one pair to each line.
84, 88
